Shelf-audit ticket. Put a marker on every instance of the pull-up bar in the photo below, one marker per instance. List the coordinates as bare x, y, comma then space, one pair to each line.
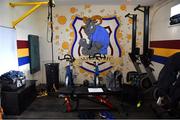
36, 5
134, 27
145, 10
134, 50
147, 53
29, 12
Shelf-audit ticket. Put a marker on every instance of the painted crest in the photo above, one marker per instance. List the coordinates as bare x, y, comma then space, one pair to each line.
95, 35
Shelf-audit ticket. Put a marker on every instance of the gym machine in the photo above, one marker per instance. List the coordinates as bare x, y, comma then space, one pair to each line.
147, 53
69, 81
167, 91
96, 56
73, 94
69, 100
134, 50
168, 77
137, 78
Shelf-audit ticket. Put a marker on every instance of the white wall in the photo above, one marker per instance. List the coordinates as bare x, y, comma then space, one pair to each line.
37, 23
5, 13
159, 25
27, 26
160, 28
64, 30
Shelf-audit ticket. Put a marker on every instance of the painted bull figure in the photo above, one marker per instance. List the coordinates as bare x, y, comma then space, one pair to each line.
98, 36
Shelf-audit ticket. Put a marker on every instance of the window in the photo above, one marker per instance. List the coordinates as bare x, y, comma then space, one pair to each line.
175, 10
8, 50
175, 15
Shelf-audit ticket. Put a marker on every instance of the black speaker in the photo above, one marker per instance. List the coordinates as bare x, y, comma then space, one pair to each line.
52, 76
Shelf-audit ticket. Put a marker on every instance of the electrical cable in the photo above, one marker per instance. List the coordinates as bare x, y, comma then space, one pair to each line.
51, 4
48, 26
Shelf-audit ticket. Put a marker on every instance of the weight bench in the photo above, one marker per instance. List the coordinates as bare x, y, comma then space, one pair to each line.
94, 94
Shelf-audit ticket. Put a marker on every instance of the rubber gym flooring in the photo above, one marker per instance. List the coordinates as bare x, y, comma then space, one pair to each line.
50, 107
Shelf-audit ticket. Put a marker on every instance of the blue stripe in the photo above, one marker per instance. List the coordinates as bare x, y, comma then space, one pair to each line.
73, 24
23, 60
116, 38
93, 71
87, 69
105, 69
159, 59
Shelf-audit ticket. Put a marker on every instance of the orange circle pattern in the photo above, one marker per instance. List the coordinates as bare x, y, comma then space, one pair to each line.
73, 10
65, 45
129, 36
123, 7
72, 34
130, 20
62, 20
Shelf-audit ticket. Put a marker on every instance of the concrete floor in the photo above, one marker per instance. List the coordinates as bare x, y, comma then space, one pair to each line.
50, 107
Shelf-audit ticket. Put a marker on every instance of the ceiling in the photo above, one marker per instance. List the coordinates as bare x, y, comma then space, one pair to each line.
106, 2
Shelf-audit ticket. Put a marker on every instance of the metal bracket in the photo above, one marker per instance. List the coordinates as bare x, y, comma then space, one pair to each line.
27, 13
130, 15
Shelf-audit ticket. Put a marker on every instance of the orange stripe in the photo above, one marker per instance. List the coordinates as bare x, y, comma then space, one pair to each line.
164, 52
23, 52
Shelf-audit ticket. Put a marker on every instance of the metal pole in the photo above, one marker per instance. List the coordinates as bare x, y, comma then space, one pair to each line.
51, 5
14, 4
132, 55
52, 36
146, 30
134, 26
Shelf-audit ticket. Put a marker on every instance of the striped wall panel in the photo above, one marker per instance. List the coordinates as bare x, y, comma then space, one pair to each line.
170, 44
164, 49
23, 52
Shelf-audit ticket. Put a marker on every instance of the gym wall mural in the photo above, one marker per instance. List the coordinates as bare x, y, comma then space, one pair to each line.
74, 35
95, 35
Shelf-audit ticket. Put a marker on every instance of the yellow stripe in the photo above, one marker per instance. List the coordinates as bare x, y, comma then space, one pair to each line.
23, 52
165, 52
